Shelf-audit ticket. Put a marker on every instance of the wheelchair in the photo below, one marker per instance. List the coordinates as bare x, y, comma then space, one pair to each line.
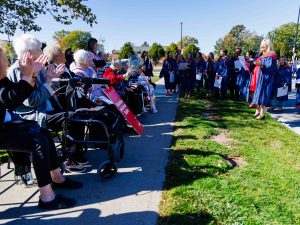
103, 128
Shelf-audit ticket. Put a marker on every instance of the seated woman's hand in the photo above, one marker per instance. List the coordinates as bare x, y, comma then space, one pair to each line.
26, 68
39, 64
52, 72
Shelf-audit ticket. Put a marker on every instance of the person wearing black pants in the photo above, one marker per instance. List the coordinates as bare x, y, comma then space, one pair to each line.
26, 136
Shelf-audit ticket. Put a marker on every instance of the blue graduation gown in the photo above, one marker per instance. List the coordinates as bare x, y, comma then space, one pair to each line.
284, 76
211, 75
168, 66
296, 70
264, 88
188, 77
201, 67
243, 82
223, 66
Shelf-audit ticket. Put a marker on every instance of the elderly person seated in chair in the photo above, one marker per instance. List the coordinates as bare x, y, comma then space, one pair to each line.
42, 106
26, 136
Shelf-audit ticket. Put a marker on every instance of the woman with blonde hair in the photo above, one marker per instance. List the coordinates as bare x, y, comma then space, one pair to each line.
265, 71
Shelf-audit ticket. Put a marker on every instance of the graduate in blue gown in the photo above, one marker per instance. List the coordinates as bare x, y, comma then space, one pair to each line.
210, 74
223, 66
200, 69
246, 90
266, 69
188, 76
283, 79
168, 70
179, 73
236, 75
296, 70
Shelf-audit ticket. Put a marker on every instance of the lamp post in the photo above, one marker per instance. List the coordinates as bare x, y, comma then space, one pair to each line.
181, 37
296, 37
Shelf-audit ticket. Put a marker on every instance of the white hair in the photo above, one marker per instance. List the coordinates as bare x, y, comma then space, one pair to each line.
24, 43
115, 63
52, 51
268, 42
81, 56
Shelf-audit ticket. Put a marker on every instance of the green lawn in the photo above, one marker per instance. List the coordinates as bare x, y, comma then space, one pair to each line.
203, 188
156, 70
155, 78
3, 156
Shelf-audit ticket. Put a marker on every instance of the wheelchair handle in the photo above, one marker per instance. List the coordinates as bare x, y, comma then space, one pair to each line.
82, 80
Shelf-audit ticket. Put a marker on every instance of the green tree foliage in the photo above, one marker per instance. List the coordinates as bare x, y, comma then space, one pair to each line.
60, 35
126, 51
10, 52
238, 36
172, 48
145, 44
76, 39
21, 14
283, 39
156, 52
187, 40
192, 49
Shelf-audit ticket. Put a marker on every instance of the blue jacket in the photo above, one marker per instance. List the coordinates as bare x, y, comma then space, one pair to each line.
223, 67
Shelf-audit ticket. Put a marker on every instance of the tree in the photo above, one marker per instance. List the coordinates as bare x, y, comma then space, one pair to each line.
238, 36
21, 14
156, 52
145, 44
10, 52
187, 40
192, 49
283, 39
76, 39
60, 35
126, 51
172, 48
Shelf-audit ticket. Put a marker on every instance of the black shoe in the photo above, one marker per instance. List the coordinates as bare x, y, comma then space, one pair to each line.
80, 158
59, 202
72, 166
67, 184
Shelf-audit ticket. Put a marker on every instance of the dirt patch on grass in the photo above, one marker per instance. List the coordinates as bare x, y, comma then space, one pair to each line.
223, 139
235, 161
211, 116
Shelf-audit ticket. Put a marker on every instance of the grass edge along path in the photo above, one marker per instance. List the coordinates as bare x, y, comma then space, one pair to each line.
203, 187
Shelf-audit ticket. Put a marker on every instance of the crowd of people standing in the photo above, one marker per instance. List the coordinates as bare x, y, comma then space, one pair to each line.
260, 79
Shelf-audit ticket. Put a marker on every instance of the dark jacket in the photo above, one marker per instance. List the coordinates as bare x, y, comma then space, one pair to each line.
12, 95
149, 68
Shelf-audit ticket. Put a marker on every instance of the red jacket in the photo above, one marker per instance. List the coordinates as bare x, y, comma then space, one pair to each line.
114, 78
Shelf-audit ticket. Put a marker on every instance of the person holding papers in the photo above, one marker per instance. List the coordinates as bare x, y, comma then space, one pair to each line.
246, 91
178, 75
168, 72
189, 75
296, 71
265, 71
283, 84
236, 74
222, 74
201, 70
211, 74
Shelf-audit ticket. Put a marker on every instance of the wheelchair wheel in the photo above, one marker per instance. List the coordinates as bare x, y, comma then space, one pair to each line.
119, 148
107, 170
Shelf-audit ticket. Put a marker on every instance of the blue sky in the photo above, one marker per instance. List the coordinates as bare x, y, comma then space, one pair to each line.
137, 21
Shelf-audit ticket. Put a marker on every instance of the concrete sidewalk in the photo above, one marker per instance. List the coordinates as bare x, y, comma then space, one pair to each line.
289, 116
130, 198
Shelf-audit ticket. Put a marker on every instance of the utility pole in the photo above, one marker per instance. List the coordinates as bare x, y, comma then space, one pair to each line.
296, 37
181, 37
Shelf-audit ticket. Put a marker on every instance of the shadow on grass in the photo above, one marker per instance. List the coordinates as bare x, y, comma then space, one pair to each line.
207, 164
192, 219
